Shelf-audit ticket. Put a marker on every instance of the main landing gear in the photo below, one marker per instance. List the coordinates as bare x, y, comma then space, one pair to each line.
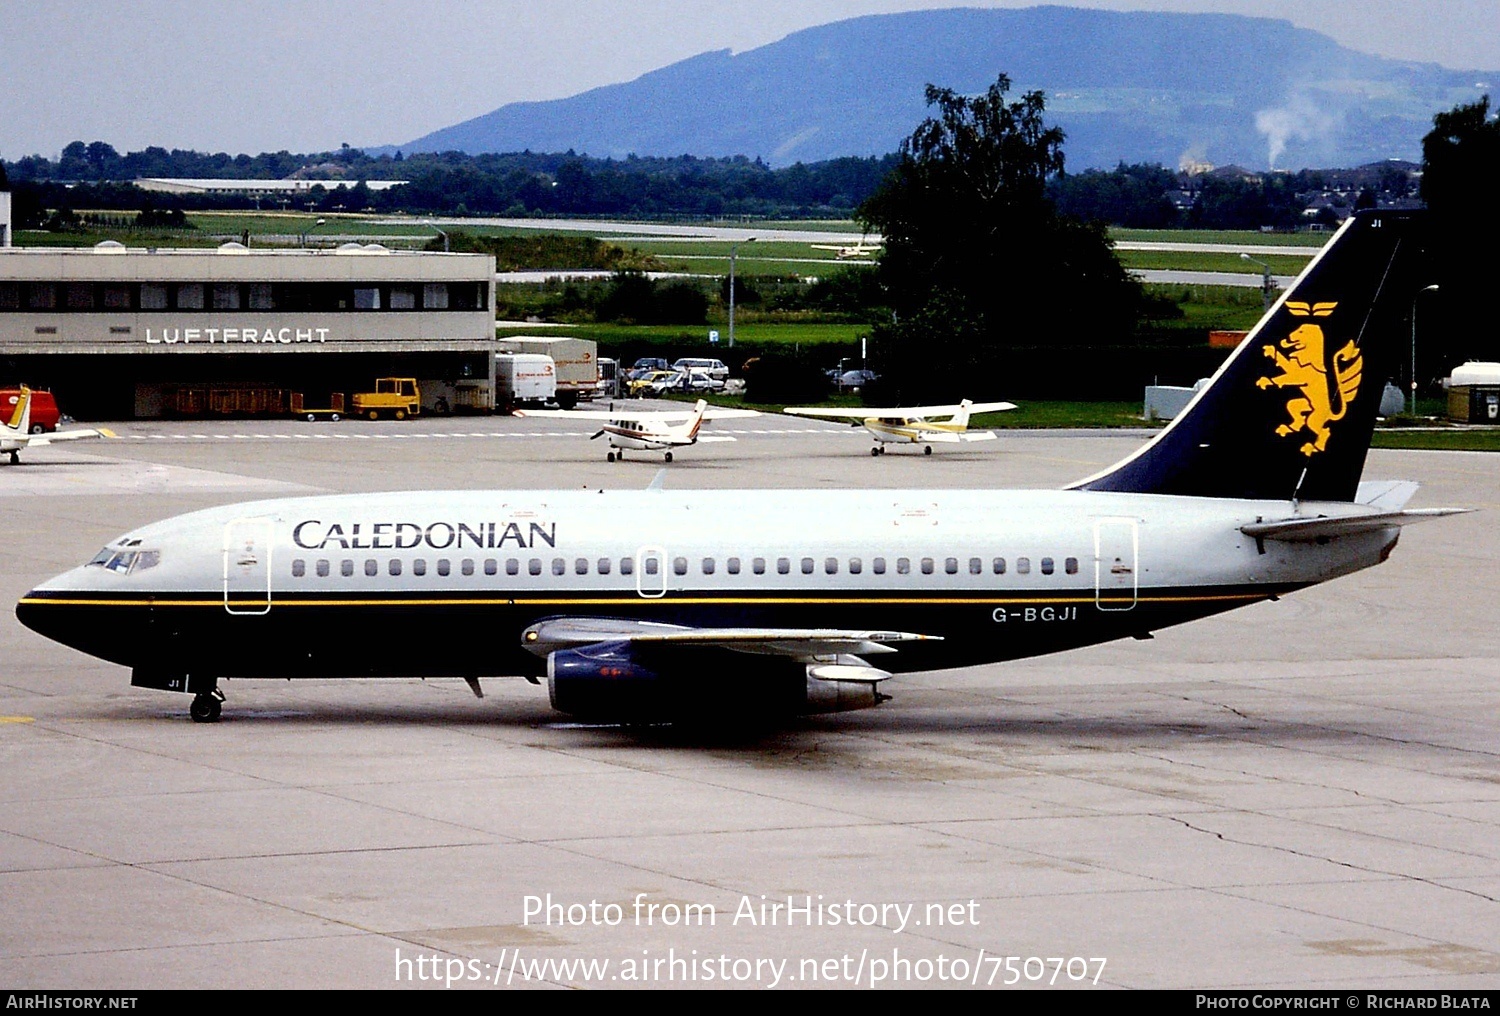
207, 706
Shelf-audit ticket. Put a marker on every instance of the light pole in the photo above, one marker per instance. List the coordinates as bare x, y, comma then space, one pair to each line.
1265, 280
734, 250
1428, 289
443, 235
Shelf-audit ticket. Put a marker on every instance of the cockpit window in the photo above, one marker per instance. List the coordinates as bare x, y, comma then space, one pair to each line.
124, 559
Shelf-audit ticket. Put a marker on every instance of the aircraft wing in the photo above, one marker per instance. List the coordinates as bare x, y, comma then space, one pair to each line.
636, 414
894, 412
804, 644
80, 434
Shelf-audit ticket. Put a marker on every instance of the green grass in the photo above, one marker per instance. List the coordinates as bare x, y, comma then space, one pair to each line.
1194, 262
1440, 440
1227, 236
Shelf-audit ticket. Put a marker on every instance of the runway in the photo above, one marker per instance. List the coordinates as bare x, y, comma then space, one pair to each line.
1298, 794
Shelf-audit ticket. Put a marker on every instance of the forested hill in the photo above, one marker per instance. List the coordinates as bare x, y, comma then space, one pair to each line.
1126, 86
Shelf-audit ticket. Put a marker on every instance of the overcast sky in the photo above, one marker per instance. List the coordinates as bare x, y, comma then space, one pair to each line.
306, 75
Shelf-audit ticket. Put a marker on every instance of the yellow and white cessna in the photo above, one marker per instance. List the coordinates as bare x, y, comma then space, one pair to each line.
15, 433
846, 252
913, 424
648, 430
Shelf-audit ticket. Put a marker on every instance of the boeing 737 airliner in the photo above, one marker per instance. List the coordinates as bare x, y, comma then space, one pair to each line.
654, 604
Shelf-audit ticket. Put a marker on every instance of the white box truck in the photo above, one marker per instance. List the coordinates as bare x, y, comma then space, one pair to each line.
524, 379
577, 362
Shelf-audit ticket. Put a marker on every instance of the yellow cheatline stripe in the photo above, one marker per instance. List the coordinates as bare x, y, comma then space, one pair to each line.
17, 719
526, 601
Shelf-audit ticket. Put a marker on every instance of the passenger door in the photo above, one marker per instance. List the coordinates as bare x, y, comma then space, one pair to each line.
247, 565
1116, 547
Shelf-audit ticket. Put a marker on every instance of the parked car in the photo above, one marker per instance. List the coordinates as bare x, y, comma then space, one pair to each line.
684, 381
713, 368
644, 384
853, 380
645, 365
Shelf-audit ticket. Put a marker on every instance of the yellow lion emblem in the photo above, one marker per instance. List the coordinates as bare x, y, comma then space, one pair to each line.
1325, 393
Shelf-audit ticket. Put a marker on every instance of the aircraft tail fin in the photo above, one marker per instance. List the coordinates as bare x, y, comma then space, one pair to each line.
1289, 415
961, 417
695, 422
20, 417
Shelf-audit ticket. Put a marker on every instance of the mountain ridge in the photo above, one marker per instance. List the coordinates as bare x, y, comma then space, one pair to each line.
1125, 86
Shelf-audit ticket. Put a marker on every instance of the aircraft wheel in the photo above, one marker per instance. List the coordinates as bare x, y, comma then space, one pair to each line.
875, 450
400, 414
15, 458
373, 414
927, 450
610, 457
206, 708
669, 456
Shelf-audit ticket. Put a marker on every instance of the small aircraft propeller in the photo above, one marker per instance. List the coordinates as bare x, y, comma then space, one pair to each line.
599, 434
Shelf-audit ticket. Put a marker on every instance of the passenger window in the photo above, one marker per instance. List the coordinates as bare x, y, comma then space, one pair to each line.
467, 566
807, 566
903, 566
323, 568
1023, 566
999, 566
395, 566
732, 566
758, 566
708, 566
491, 566
950, 565
443, 567
604, 565
653, 565
512, 566
878, 566
419, 566
783, 566
346, 568
976, 566
559, 566
926, 566
1071, 566
627, 566
299, 568
372, 567
534, 566
581, 566
855, 566
679, 565
1046, 566
831, 565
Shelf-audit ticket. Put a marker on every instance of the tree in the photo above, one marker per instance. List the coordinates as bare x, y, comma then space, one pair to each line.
1460, 170
977, 261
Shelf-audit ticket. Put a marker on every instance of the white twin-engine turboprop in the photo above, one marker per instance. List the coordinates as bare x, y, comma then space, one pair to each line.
648, 430
642, 605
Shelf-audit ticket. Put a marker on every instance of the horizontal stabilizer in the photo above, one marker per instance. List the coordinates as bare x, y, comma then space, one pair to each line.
977, 435
1324, 527
1387, 495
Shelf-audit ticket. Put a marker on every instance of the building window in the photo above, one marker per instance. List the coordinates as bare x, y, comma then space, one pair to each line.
403, 298
190, 296
226, 296
41, 296
10, 296
116, 297
153, 296
366, 299
435, 296
80, 296
260, 296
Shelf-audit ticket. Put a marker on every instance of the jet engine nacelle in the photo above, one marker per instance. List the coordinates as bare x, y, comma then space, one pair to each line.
625, 681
